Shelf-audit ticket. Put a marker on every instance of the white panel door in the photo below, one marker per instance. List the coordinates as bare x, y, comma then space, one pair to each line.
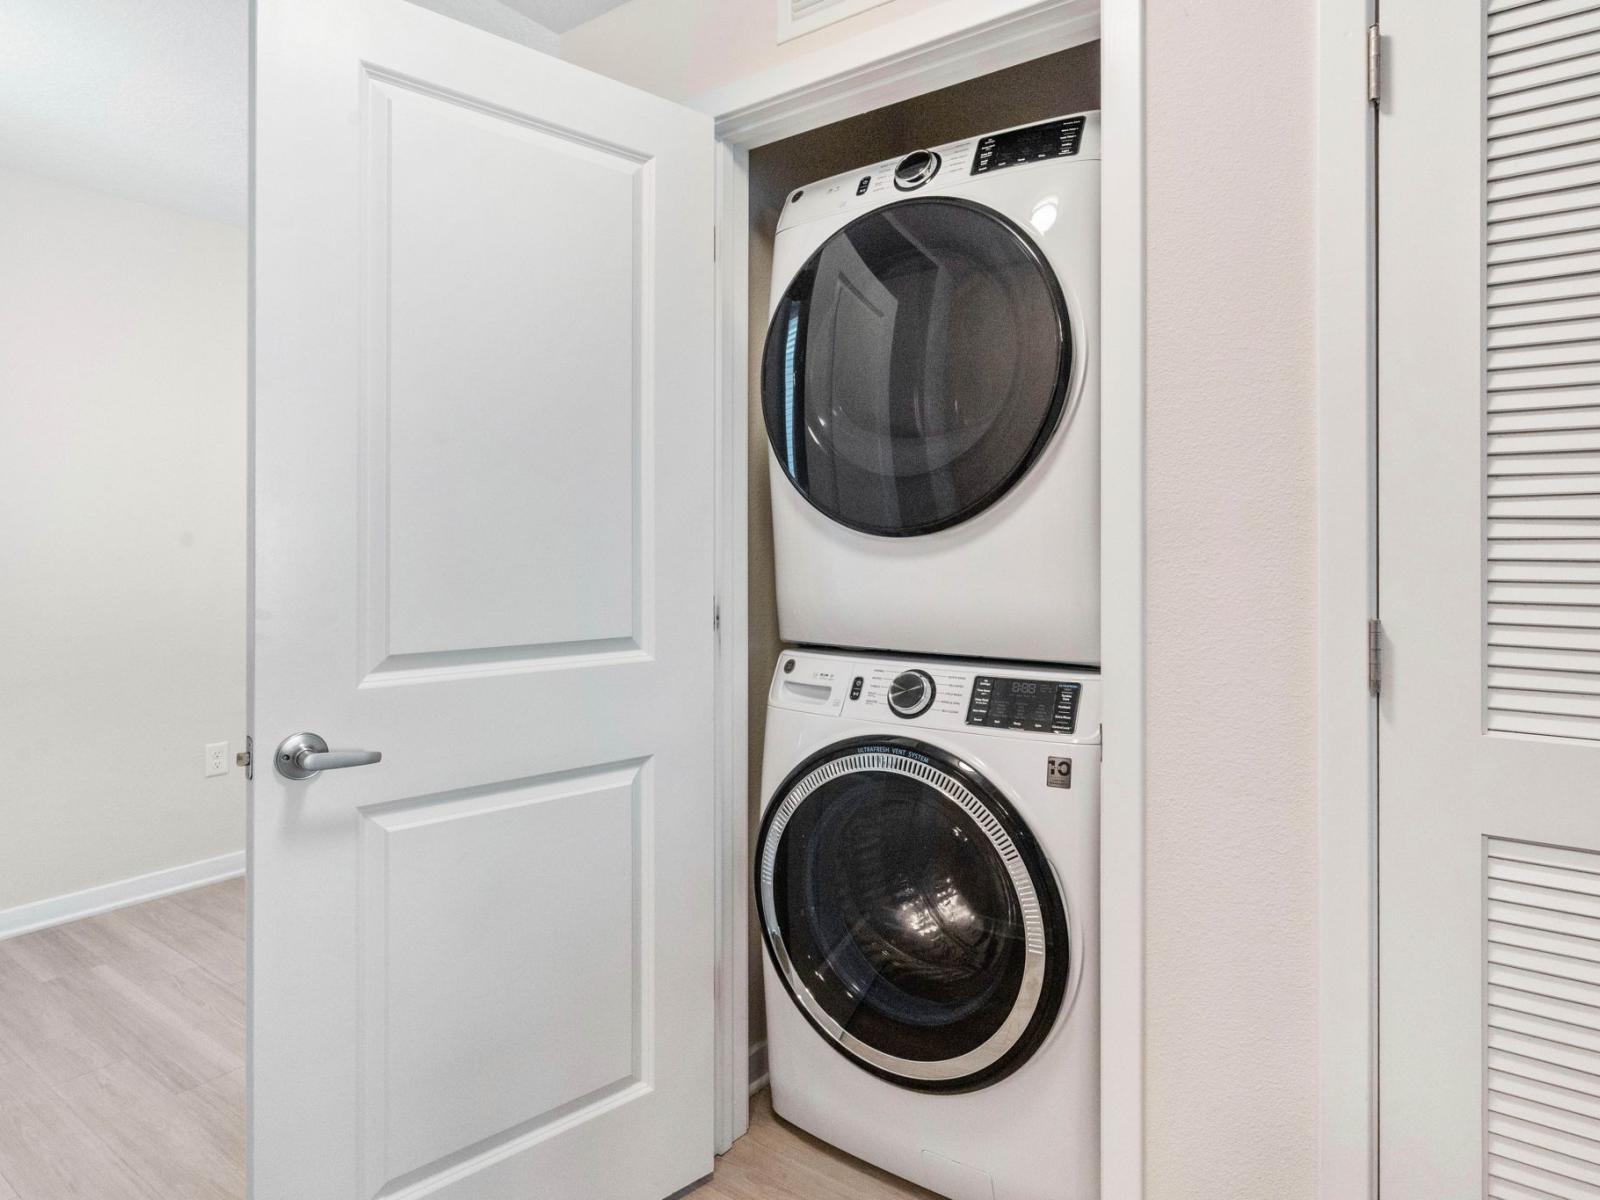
1489, 535
482, 967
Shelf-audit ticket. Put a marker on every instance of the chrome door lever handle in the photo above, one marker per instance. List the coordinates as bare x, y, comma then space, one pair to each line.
303, 755
332, 760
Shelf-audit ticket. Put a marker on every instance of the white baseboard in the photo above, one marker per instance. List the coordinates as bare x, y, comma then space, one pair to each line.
41, 914
758, 1066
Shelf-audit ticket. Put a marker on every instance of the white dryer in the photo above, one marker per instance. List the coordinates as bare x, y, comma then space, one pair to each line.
926, 880
931, 394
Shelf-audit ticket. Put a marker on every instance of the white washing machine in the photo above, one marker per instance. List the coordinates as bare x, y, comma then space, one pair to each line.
926, 880
931, 393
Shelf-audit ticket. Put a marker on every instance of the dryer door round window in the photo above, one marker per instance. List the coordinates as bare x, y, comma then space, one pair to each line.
916, 367
911, 915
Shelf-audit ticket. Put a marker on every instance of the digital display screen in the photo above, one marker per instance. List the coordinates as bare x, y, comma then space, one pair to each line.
1054, 139
1031, 143
1033, 704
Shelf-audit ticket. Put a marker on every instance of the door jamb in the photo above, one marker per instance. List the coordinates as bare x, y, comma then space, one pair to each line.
1347, 597
732, 768
941, 46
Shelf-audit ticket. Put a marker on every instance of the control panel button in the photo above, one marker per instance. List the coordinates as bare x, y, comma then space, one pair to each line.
866, 182
856, 685
916, 169
911, 694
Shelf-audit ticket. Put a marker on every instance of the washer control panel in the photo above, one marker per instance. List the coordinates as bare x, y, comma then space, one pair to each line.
1010, 702
1019, 701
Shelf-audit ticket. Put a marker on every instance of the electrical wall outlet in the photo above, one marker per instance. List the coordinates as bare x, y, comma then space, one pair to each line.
216, 758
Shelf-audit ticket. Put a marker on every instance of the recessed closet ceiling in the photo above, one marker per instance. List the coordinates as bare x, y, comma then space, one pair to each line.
562, 15
143, 98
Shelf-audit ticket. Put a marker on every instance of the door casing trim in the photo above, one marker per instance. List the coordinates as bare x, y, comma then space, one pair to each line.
1347, 596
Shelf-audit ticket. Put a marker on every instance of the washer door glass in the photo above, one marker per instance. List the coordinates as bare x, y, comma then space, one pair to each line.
911, 916
916, 367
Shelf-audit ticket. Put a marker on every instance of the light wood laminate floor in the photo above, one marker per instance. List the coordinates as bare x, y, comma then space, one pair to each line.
775, 1161
122, 1054
122, 1069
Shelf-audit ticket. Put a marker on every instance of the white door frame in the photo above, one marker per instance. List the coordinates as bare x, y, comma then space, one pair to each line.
944, 45
1347, 596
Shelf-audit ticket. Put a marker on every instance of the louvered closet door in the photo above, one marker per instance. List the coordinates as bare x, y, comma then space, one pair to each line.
1489, 580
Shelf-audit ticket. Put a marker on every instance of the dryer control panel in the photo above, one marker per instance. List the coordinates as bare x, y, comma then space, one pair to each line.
999, 698
1034, 143
950, 167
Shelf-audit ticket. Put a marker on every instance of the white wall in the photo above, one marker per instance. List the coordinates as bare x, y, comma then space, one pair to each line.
122, 524
1231, 864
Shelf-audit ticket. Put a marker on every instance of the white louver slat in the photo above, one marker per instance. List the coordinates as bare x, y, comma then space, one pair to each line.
1542, 1022
1542, 354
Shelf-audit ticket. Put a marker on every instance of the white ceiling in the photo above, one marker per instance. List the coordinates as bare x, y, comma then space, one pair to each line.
144, 98
562, 15
148, 98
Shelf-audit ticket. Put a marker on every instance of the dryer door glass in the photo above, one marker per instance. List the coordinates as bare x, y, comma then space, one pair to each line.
916, 367
911, 915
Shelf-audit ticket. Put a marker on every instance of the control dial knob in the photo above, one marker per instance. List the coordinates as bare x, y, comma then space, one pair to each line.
911, 694
916, 169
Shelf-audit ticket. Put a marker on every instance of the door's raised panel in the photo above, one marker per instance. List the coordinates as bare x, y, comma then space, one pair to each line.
513, 917
506, 344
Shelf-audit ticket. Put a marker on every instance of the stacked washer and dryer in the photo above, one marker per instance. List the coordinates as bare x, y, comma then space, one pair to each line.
926, 872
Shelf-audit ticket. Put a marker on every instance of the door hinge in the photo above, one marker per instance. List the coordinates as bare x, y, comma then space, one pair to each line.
1374, 65
716, 614
244, 758
1375, 657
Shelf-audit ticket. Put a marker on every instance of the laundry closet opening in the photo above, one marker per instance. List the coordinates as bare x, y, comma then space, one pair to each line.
1057, 85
